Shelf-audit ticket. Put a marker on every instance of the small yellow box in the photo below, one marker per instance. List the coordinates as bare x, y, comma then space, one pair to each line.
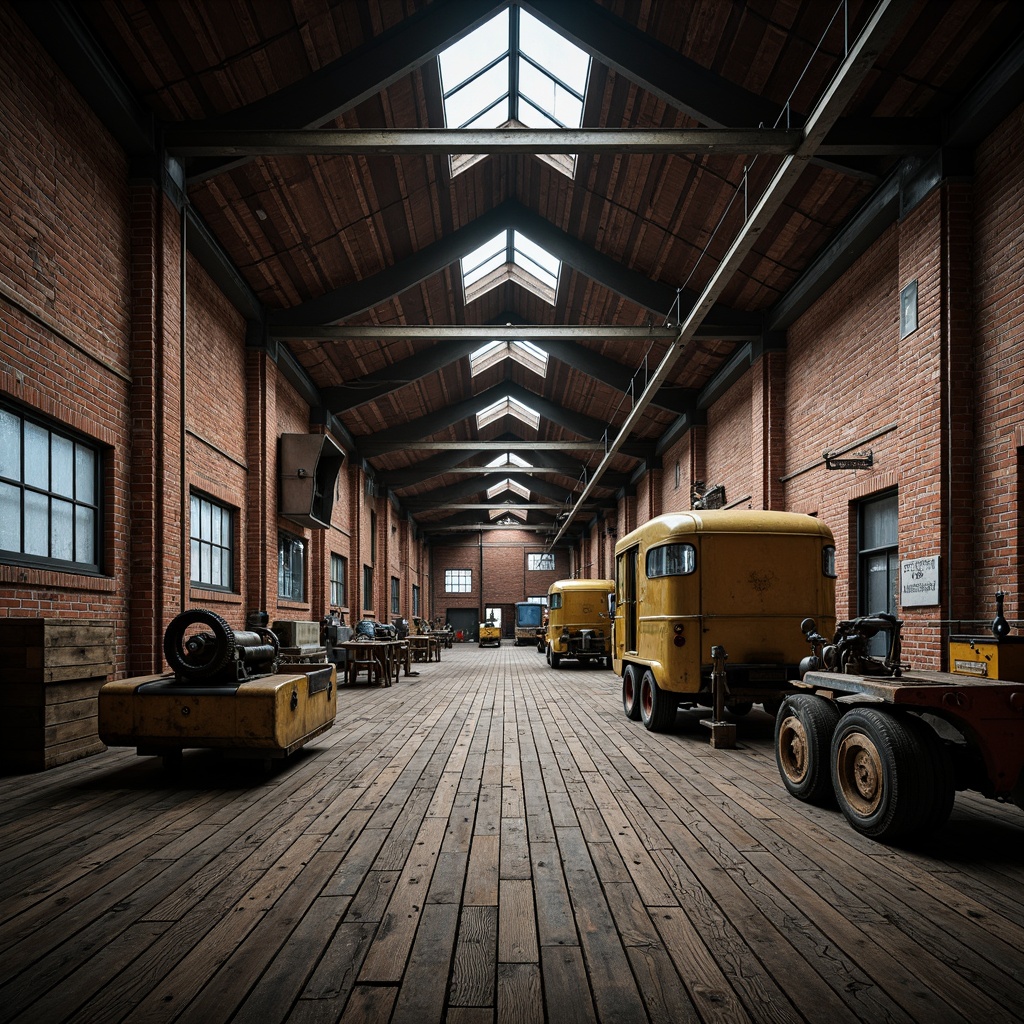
984, 657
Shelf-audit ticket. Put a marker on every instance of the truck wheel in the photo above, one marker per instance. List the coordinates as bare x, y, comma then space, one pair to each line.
881, 774
547, 654
631, 693
803, 733
556, 659
657, 706
940, 778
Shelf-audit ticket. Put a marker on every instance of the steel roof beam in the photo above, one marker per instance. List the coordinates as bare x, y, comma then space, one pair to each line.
863, 54
370, 448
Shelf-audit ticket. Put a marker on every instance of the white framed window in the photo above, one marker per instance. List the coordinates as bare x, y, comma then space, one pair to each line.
537, 561
458, 581
339, 573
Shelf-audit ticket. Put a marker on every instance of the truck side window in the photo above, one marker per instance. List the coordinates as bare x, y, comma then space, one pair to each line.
671, 560
828, 561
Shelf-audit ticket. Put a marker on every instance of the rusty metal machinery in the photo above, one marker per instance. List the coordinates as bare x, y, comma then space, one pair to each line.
226, 691
201, 647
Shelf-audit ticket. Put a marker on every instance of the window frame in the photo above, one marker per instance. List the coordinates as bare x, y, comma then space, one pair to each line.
338, 583
458, 581
293, 542
690, 561
228, 518
545, 560
396, 595
76, 500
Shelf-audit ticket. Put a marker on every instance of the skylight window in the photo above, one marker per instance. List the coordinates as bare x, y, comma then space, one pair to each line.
510, 256
523, 352
509, 516
510, 459
508, 485
508, 407
513, 71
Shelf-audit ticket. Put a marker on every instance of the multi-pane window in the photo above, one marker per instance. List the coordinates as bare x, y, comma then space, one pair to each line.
211, 534
291, 567
878, 560
415, 600
49, 495
394, 595
537, 560
458, 581
367, 586
339, 569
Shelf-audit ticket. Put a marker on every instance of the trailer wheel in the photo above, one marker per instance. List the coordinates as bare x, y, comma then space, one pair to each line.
657, 707
631, 693
882, 775
547, 654
803, 732
556, 659
939, 781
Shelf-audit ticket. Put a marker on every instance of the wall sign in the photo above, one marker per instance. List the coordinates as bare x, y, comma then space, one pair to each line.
919, 581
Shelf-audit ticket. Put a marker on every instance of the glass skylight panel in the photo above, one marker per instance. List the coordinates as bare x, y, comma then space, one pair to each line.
463, 61
508, 407
510, 459
544, 88
508, 485
535, 260
485, 258
482, 102
523, 352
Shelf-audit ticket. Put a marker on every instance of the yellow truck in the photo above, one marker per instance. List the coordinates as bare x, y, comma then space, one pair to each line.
739, 581
579, 624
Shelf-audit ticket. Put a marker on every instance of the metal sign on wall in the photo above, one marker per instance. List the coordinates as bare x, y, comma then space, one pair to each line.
919, 581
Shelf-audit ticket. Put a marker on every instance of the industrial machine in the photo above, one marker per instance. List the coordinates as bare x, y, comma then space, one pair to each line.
225, 690
579, 624
891, 744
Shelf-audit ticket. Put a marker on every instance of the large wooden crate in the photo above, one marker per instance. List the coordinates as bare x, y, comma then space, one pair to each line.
51, 671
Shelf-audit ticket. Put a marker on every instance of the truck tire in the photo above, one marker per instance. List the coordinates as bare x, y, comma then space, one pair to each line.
556, 659
881, 774
657, 706
803, 737
631, 693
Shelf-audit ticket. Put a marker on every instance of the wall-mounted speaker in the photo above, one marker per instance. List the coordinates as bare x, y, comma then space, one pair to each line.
308, 467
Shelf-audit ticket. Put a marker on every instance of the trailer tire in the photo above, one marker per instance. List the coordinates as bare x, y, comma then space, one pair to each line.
657, 707
881, 774
631, 693
803, 734
940, 781
547, 654
556, 659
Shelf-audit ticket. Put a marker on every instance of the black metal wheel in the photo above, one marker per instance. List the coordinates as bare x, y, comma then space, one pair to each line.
803, 734
657, 706
198, 643
631, 693
556, 659
883, 775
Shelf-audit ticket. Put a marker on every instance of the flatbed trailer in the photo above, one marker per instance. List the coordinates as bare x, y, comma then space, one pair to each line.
892, 750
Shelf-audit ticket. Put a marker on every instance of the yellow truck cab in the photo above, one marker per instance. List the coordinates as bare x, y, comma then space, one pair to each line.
579, 626
736, 579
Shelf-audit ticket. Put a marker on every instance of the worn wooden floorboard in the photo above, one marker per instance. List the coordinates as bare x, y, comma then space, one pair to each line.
492, 840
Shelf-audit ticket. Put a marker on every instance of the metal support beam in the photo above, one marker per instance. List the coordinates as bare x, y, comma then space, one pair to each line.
884, 21
370, 448
479, 333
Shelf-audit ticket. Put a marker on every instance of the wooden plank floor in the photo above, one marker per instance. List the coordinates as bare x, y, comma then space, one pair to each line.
492, 840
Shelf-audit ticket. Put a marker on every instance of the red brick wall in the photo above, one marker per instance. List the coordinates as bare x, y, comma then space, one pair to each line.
64, 329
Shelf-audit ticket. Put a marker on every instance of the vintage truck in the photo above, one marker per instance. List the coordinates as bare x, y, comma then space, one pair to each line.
892, 745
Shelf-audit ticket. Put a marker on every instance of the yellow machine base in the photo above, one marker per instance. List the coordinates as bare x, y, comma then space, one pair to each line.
267, 717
